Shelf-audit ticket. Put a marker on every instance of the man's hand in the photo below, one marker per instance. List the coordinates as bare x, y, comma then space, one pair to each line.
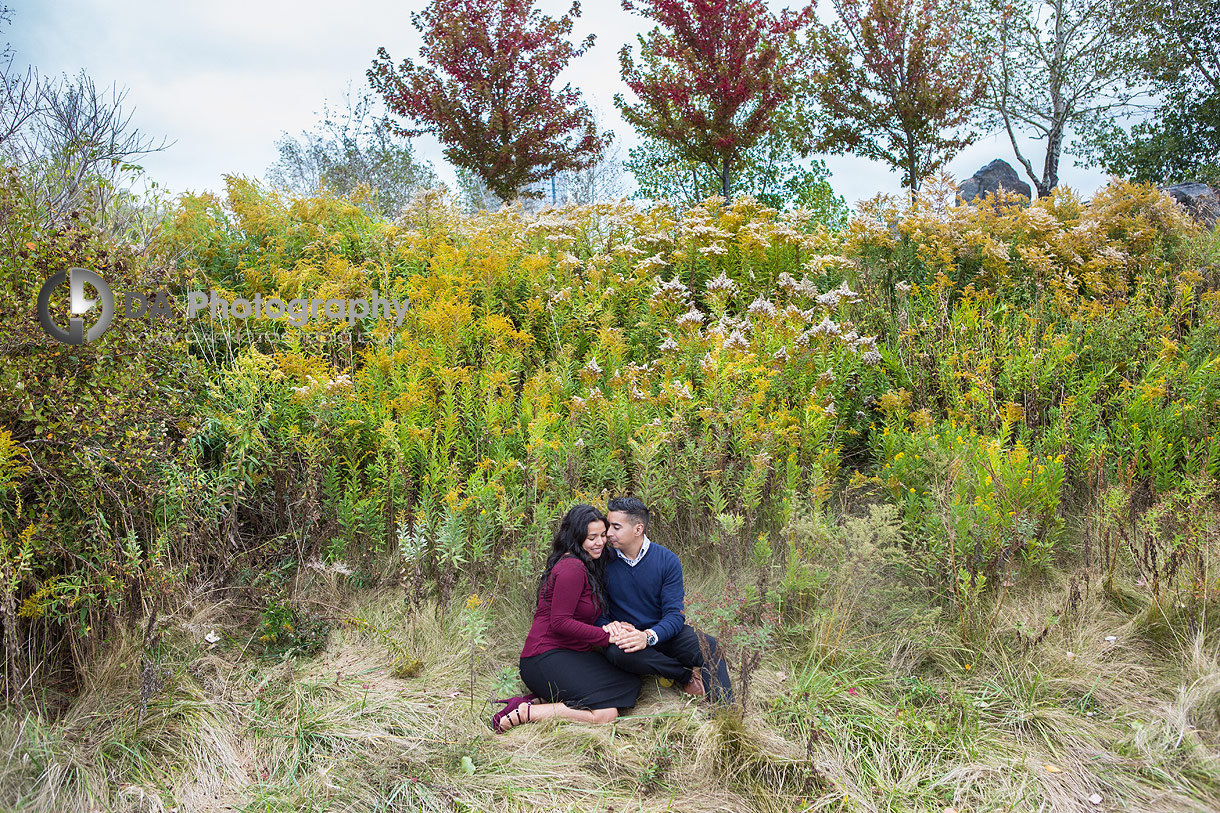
631, 641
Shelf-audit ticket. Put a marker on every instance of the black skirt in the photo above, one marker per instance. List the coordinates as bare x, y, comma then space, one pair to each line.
582, 680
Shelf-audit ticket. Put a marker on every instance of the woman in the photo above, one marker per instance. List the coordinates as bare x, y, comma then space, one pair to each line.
568, 678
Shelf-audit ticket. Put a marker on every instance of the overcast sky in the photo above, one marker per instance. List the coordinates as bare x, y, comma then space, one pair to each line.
224, 79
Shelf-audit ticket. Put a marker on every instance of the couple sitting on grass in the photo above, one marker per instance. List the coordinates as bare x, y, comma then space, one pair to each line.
610, 608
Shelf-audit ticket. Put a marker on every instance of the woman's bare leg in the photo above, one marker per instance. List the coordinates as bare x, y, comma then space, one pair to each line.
532, 712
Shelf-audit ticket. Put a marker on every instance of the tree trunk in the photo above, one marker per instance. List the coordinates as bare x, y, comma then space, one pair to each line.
1054, 140
912, 166
724, 179
1050, 167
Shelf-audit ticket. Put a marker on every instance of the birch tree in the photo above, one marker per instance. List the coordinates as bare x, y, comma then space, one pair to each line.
1057, 68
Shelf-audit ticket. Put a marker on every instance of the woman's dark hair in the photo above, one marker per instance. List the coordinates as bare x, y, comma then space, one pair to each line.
569, 539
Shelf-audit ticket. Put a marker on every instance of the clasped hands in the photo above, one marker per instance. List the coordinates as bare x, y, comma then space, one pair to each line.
625, 636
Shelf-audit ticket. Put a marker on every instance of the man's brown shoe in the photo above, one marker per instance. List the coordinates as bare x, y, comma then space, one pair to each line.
695, 685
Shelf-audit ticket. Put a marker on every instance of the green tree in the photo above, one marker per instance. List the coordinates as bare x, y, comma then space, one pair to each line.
350, 148
896, 81
773, 171
1178, 46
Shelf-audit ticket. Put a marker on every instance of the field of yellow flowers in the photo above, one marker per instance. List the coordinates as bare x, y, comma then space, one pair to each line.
945, 482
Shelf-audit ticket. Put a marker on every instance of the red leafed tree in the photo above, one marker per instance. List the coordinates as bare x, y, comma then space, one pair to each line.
897, 82
713, 74
486, 91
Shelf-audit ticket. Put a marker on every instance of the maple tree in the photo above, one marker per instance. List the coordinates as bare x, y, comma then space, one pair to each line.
711, 77
897, 82
487, 91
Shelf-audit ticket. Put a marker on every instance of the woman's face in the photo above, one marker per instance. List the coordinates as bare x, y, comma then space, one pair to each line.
595, 539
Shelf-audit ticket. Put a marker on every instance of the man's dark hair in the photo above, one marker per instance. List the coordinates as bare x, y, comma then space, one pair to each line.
632, 507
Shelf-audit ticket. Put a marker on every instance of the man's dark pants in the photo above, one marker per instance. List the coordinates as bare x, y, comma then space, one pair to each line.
667, 659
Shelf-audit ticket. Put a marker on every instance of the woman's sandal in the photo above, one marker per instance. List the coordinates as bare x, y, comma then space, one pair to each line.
513, 703
524, 698
517, 708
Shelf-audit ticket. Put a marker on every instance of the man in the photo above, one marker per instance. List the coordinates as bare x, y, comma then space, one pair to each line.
644, 589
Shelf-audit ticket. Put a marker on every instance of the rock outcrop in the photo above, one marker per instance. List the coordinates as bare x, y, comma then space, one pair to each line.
999, 173
1201, 200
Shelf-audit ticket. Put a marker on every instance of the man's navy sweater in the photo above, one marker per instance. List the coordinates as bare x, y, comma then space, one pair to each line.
649, 595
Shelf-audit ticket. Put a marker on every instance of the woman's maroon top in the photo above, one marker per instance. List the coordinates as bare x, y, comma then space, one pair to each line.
566, 608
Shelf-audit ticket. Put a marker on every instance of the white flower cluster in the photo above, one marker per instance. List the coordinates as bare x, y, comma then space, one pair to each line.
714, 250
305, 389
343, 381
721, 285
639, 369
683, 391
794, 287
593, 366
334, 567
697, 228
1041, 218
737, 340
831, 299
692, 318
1112, 254
762, 307
651, 264
674, 289
825, 328
797, 316
669, 345
728, 324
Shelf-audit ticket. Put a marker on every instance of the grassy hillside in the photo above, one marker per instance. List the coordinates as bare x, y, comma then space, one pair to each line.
944, 483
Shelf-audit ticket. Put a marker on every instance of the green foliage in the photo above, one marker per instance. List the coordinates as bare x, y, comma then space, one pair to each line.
285, 631
1175, 45
771, 171
346, 151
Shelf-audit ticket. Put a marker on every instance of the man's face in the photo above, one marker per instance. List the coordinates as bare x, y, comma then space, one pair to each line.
622, 530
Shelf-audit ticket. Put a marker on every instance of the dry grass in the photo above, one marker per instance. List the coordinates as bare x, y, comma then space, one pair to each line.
846, 717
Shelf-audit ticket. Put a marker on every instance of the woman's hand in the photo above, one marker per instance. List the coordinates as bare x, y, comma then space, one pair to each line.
618, 629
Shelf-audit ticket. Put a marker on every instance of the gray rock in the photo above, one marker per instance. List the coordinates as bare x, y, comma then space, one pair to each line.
999, 173
1199, 199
